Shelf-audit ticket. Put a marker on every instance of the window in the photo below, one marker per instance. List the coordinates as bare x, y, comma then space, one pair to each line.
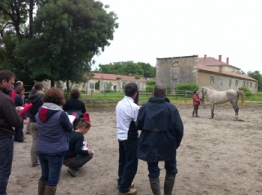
221, 80
236, 83
229, 82
247, 84
250, 84
212, 80
244, 83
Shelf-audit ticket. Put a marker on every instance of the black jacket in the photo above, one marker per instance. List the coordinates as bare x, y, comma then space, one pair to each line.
162, 130
37, 103
9, 117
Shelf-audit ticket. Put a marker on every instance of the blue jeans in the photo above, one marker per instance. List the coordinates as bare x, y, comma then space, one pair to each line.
51, 165
6, 158
154, 170
79, 161
128, 163
19, 135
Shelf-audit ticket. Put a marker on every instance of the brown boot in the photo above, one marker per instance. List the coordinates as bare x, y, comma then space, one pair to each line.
41, 187
50, 190
130, 192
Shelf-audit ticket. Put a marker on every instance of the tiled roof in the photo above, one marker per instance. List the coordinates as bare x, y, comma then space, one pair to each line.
210, 61
115, 76
210, 69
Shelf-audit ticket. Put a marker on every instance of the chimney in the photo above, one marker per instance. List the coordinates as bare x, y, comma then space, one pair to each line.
227, 60
205, 57
220, 58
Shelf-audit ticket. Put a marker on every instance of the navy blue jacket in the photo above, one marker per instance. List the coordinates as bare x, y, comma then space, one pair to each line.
162, 130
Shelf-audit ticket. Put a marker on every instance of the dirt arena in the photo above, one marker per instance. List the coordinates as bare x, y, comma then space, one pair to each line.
217, 157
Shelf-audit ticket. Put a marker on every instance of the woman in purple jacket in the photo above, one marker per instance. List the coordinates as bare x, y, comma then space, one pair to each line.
52, 144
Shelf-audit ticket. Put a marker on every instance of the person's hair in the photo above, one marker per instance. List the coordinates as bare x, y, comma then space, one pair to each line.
6, 75
37, 86
55, 96
75, 93
131, 89
19, 90
160, 90
83, 123
195, 91
18, 83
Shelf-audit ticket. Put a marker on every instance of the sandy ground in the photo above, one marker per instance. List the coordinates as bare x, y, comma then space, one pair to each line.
217, 157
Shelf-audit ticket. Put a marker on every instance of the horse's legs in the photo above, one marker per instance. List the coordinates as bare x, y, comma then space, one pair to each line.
212, 106
236, 108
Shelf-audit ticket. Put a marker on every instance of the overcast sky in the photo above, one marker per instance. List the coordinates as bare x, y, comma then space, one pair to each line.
150, 29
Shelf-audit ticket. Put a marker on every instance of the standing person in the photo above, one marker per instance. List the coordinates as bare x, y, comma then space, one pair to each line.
196, 103
76, 156
52, 144
19, 101
36, 95
127, 134
8, 118
162, 132
74, 105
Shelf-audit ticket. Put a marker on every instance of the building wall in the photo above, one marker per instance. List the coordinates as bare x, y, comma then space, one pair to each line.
179, 70
222, 82
176, 70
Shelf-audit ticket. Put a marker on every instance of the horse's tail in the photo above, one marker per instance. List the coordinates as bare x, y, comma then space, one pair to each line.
242, 94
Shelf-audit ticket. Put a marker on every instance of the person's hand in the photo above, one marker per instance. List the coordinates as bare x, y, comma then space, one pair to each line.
90, 151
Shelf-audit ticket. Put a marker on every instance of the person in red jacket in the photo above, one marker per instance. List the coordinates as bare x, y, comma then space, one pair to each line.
196, 103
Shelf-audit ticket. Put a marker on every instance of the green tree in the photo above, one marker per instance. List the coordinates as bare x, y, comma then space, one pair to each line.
256, 75
139, 69
149, 71
67, 34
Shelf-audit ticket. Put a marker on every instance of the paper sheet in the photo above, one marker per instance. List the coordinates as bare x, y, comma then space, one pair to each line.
71, 118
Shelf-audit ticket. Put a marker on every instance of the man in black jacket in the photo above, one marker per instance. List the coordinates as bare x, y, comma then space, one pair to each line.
9, 118
162, 132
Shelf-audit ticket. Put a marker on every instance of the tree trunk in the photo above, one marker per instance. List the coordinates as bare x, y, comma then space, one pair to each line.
67, 86
31, 8
52, 83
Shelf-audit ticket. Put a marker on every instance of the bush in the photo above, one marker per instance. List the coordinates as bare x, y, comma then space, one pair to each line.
247, 92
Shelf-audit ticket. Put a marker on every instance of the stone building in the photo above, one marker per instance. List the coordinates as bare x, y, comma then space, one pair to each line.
113, 82
205, 71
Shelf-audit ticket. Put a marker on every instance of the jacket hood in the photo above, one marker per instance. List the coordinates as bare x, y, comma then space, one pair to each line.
159, 99
35, 98
47, 110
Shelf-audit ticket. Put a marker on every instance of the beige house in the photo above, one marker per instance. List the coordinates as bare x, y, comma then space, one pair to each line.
112, 82
204, 71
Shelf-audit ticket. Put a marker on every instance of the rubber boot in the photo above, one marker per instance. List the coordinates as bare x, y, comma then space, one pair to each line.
169, 183
50, 190
197, 113
155, 186
193, 113
41, 187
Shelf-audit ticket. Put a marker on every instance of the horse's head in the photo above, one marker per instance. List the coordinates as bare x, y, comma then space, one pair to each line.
203, 90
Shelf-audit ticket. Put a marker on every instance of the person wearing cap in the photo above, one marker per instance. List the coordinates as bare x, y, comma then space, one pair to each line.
77, 154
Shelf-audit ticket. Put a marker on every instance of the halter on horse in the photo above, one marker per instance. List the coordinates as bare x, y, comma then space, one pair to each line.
220, 97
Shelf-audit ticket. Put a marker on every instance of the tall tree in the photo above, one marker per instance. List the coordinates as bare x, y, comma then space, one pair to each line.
67, 34
256, 75
139, 69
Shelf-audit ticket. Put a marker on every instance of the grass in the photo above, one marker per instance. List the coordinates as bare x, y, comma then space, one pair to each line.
110, 99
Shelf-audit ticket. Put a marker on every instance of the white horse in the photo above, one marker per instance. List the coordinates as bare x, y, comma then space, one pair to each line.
220, 97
